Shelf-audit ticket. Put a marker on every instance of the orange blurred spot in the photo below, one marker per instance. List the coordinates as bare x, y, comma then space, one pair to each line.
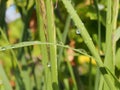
12, 83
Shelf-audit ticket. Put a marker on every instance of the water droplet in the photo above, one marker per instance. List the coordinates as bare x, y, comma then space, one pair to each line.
100, 7
48, 65
78, 31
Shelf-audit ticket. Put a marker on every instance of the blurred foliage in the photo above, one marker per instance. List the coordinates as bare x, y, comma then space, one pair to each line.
29, 58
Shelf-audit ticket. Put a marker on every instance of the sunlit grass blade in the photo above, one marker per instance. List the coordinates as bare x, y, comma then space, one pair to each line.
88, 42
111, 23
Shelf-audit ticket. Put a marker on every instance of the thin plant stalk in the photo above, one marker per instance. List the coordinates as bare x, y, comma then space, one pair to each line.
108, 52
59, 34
109, 46
64, 37
114, 25
99, 78
52, 39
90, 74
115, 10
99, 25
71, 72
101, 84
40, 7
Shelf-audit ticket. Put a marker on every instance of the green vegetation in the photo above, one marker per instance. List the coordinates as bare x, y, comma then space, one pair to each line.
59, 45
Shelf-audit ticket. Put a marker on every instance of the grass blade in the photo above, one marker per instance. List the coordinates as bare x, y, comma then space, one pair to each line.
5, 80
52, 39
88, 42
71, 72
41, 13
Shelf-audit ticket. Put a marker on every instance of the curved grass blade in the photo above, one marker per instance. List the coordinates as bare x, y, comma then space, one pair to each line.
30, 43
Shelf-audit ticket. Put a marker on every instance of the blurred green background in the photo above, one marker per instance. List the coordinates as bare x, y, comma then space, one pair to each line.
18, 23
